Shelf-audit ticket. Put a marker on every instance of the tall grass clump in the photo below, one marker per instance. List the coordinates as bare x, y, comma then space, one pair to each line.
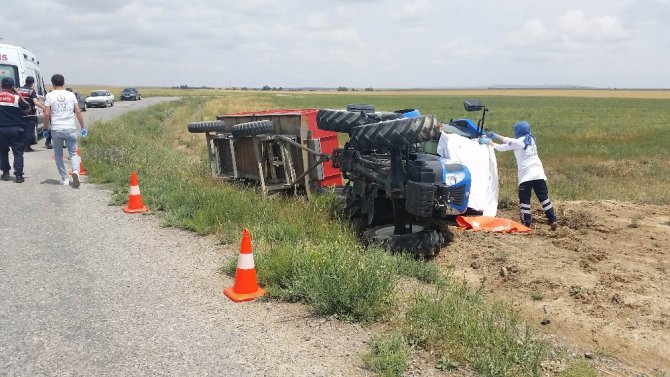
388, 355
332, 278
579, 368
461, 326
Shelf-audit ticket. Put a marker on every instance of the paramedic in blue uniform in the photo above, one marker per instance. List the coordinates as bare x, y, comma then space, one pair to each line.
13, 109
530, 170
28, 93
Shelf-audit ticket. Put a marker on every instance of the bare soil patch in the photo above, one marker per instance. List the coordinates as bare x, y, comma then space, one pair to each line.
600, 282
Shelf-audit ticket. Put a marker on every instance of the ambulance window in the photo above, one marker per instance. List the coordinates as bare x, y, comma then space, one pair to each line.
39, 84
7, 70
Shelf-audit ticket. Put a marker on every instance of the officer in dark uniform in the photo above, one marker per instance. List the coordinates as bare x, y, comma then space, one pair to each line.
28, 93
13, 109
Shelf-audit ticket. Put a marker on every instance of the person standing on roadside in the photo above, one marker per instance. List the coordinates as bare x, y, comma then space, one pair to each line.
13, 109
28, 93
530, 170
61, 114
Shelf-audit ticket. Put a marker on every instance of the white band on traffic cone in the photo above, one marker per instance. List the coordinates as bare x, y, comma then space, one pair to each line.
246, 262
134, 190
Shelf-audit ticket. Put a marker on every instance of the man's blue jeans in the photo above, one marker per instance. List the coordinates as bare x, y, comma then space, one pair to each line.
70, 139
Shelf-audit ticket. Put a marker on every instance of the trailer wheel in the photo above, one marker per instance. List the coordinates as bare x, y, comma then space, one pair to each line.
424, 241
395, 133
252, 128
339, 121
208, 126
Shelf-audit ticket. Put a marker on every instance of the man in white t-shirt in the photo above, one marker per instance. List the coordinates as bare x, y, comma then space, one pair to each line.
61, 109
530, 171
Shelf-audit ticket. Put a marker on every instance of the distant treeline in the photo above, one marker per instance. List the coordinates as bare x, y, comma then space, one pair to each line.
273, 88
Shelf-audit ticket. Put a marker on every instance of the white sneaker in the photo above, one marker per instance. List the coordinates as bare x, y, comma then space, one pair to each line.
75, 179
65, 182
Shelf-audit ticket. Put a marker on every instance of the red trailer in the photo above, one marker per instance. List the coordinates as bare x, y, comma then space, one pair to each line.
280, 149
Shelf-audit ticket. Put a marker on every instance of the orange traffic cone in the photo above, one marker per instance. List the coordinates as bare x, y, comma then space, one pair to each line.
135, 204
82, 171
245, 287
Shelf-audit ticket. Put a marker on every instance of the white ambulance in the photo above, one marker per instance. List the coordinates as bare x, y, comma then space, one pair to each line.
18, 63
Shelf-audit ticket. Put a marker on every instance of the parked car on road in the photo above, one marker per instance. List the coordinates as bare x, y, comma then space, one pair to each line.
130, 94
81, 101
100, 98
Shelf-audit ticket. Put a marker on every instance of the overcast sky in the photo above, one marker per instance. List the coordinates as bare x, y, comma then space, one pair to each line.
352, 43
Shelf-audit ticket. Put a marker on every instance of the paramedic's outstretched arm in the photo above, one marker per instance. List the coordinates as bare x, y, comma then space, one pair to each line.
508, 144
39, 103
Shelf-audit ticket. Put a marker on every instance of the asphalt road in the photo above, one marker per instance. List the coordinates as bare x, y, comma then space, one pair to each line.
86, 290
99, 113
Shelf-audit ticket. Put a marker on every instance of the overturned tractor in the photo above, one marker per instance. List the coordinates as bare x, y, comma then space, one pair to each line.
389, 178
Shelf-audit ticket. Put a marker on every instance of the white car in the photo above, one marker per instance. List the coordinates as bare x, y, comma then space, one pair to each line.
100, 98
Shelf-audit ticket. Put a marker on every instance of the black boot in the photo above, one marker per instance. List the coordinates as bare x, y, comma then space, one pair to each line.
5, 176
20, 179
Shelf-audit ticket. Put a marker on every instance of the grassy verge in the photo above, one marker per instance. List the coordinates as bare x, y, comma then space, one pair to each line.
388, 355
464, 330
304, 251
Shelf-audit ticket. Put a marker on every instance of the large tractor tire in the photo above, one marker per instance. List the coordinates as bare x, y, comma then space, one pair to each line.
423, 242
339, 121
252, 128
207, 126
395, 133
361, 107
344, 121
381, 117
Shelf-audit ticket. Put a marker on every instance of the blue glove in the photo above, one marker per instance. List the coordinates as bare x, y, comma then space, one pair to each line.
491, 135
484, 140
83, 132
45, 133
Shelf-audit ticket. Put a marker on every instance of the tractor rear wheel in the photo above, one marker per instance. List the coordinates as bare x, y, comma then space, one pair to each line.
361, 107
339, 121
395, 133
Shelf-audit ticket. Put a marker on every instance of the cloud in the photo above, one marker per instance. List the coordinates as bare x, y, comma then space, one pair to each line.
317, 21
379, 43
532, 34
462, 48
574, 25
656, 11
570, 32
417, 8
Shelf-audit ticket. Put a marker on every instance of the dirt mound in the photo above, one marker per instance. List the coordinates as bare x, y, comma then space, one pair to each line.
600, 281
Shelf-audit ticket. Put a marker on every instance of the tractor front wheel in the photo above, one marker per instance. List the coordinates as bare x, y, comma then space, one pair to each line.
423, 241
